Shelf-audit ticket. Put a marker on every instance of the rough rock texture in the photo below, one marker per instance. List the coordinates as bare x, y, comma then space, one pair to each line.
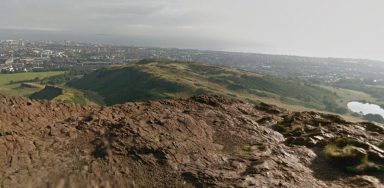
205, 141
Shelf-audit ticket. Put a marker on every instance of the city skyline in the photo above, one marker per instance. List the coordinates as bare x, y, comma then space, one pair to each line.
305, 28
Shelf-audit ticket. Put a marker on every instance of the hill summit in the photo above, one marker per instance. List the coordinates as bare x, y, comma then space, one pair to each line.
163, 79
203, 141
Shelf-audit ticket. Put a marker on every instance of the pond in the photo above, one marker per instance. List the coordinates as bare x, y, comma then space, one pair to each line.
365, 108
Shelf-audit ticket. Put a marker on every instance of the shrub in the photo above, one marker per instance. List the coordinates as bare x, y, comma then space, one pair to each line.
353, 156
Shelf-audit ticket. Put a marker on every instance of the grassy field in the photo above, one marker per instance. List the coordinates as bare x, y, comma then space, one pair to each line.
10, 83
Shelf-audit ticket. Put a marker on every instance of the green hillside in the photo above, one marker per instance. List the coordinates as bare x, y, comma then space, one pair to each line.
66, 95
48, 93
147, 80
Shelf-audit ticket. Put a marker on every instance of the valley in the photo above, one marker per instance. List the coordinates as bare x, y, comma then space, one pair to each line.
293, 82
164, 79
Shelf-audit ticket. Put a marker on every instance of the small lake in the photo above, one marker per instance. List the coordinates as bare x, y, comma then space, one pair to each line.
365, 108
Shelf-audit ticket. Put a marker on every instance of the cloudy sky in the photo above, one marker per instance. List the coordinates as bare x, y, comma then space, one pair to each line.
338, 28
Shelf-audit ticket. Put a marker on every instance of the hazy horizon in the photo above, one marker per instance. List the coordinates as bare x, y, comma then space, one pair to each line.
316, 28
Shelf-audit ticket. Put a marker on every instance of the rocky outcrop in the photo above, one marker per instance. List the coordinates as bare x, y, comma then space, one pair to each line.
354, 147
205, 141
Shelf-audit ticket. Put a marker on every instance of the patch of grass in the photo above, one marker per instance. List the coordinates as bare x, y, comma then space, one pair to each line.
10, 83
347, 156
63, 94
73, 96
79, 99
352, 156
247, 148
243, 150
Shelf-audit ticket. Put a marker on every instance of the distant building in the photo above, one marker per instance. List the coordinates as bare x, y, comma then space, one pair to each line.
3, 60
8, 69
46, 53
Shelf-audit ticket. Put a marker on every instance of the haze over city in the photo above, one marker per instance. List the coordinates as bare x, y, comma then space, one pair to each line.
342, 28
191, 93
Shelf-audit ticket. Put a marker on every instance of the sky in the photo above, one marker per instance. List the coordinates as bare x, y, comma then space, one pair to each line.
326, 28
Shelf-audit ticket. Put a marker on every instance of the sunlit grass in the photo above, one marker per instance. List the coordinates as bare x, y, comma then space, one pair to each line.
10, 87
347, 154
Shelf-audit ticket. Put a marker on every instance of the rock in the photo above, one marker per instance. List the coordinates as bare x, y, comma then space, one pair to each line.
206, 141
369, 126
363, 181
272, 109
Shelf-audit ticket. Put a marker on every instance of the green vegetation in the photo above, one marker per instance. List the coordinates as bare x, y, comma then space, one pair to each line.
349, 95
66, 95
10, 83
48, 93
374, 117
148, 80
122, 84
375, 91
151, 80
353, 156
62, 79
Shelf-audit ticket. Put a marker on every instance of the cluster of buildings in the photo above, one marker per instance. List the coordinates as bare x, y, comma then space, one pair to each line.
10, 64
24, 56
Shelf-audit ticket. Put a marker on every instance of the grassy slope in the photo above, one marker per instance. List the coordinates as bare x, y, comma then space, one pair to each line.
48, 93
10, 85
122, 84
375, 91
14, 89
62, 94
347, 95
156, 80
